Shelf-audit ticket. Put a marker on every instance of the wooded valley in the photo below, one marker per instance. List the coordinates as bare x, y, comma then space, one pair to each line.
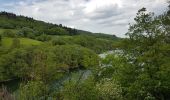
45, 61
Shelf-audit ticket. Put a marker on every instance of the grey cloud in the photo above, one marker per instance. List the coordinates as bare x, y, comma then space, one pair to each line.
105, 12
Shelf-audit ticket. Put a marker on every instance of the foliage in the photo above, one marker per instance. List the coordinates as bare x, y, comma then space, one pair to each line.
109, 90
43, 38
9, 33
72, 56
97, 44
83, 91
12, 64
43, 64
149, 49
91, 90
142, 69
27, 32
31, 91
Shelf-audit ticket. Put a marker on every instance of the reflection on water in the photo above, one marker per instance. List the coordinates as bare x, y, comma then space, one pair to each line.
76, 75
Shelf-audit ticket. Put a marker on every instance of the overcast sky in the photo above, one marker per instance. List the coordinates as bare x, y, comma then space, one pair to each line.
106, 16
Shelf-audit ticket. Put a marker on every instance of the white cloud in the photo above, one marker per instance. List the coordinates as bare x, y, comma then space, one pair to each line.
107, 16
92, 5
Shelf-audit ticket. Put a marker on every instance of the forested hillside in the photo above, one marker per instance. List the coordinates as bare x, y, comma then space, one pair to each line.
13, 21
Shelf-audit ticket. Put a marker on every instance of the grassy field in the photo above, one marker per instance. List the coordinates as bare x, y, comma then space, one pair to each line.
24, 41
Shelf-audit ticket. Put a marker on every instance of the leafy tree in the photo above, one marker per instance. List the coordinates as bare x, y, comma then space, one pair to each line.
84, 91
59, 41
42, 68
31, 91
27, 32
13, 64
148, 49
109, 90
43, 37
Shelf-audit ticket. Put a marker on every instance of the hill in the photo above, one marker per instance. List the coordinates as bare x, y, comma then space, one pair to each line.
13, 21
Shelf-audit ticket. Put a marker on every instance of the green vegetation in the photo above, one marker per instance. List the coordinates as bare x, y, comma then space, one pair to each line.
139, 71
97, 44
